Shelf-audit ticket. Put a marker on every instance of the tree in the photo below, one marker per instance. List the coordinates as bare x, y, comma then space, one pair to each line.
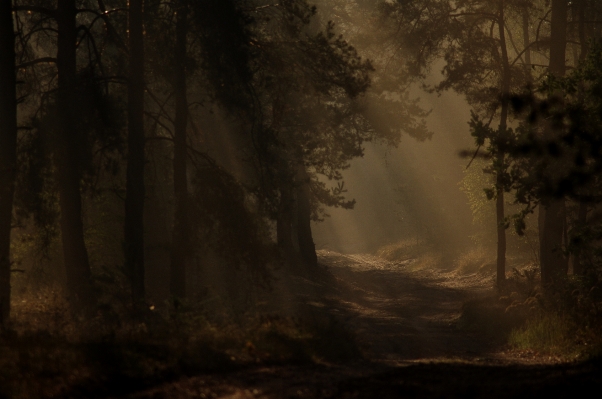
292, 88
8, 152
66, 158
69, 130
472, 37
181, 230
308, 87
557, 159
484, 62
134, 201
553, 266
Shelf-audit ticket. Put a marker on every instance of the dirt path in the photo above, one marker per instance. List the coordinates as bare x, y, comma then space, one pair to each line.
401, 314
406, 323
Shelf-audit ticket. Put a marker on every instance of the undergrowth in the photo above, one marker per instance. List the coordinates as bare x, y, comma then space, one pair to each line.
404, 250
476, 260
49, 353
546, 333
564, 320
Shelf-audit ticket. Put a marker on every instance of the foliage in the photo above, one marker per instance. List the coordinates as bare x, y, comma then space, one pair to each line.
306, 114
568, 161
474, 184
564, 320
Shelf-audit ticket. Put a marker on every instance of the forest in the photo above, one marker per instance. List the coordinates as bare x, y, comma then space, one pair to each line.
300, 198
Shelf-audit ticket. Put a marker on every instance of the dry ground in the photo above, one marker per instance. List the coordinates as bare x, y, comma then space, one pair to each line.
406, 321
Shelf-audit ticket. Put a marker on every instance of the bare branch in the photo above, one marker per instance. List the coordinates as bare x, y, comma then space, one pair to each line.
43, 60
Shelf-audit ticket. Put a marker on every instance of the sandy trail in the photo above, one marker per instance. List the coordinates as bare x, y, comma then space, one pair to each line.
401, 314
406, 322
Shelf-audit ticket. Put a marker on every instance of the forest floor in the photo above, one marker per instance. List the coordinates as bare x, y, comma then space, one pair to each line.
408, 324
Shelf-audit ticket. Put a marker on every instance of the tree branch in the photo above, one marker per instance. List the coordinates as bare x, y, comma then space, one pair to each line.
42, 60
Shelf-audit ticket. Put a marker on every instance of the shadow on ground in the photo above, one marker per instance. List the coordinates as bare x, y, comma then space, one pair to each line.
424, 380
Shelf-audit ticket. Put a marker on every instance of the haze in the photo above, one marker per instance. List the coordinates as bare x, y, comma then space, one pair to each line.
328, 199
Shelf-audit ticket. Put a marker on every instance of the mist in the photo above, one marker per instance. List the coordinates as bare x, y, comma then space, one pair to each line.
408, 192
297, 199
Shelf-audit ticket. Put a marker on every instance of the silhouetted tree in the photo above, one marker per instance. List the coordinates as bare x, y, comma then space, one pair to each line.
8, 152
134, 200
557, 159
308, 88
181, 232
553, 266
66, 158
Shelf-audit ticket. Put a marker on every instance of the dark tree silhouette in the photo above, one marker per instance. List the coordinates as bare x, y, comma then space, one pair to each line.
8, 151
181, 229
553, 264
134, 201
66, 158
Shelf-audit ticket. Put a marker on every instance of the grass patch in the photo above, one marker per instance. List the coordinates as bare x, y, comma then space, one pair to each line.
548, 333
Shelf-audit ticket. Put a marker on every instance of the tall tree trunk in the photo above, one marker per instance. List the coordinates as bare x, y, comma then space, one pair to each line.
527, 42
284, 229
552, 262
582, 210
565, 239
307, 248
181, 233
134, 200
68, 168
583, 41
8, 151
499, 207
581, 222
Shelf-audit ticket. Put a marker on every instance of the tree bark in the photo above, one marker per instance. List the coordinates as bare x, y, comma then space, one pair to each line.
181, 232
583, 48
582, 210
499, 207
135, 191
552, 262
527, 42
284, 230
8, 151
307, 248
68, 168
581, 222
